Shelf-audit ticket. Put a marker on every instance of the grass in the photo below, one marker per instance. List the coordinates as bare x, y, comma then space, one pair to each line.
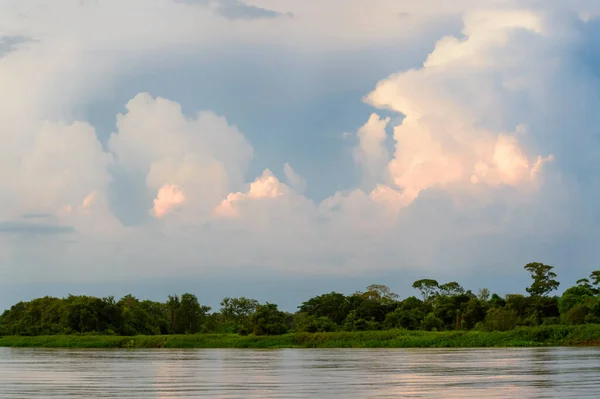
585, 335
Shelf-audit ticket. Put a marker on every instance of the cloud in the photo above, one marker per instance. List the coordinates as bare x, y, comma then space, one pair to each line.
294, 180
59, 166
88, 201
187, 162
36, 216
168, 198
483, 168
236, 9
10, 43
371, 152
447, 136
264, 187
27, 228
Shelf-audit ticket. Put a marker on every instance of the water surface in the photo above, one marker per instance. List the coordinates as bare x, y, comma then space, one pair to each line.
300, 373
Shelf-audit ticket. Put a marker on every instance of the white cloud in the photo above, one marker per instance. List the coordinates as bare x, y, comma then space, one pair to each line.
294, 180
59, 166
448, 135
168, 198
469, 176
191, 163
371, 152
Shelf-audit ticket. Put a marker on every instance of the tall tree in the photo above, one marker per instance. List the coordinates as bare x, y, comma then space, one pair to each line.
595, 277
173, 304
234, 309
428, 288
380, 292
451, 289
584, 282
268, 320
333, 305
191, 313
544, 279
483, 294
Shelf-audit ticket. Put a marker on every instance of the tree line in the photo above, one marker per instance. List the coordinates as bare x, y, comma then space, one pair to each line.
445, 306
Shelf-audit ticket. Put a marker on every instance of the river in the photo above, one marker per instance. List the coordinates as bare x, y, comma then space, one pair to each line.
300, 373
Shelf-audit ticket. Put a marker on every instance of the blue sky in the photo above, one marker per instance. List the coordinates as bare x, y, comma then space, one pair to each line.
281, 149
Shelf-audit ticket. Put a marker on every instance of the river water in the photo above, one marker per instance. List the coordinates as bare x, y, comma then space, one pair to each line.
300, 373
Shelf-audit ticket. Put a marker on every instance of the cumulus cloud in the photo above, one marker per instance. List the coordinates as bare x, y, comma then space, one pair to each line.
187, 162
294, 180
371, 152
448, 135
168, 198
478, 161
265, 186
61, 166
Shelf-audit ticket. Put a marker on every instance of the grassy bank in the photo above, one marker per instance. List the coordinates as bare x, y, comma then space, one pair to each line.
522, 337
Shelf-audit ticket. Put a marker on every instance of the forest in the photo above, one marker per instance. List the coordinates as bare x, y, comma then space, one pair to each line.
437, 307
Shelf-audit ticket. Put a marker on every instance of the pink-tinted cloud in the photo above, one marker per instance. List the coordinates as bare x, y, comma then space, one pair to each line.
265, 186
441, 143
169, 197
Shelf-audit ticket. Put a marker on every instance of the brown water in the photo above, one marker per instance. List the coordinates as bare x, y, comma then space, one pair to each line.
300, 373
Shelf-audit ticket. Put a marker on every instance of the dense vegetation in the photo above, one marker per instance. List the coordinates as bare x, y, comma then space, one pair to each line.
582, 335
442, 307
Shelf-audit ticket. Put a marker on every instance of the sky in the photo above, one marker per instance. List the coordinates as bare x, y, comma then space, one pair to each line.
281, 149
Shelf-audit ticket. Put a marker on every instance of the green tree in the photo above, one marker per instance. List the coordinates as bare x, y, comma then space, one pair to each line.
450, 289
135, 318
543, 277
595, 277
428, 288
500, 319
450, 309
334, 306
432, 323
577, 314
585, 283
236, 313
381, 293
191, 313
173, 304
474, 312
483, 294
496, 301
575, 295
268, 320
307, 323
236, 308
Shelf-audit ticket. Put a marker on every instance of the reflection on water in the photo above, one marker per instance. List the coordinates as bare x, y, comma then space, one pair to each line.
300, 373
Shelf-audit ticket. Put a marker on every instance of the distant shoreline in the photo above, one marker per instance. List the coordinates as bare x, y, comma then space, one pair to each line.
584, 335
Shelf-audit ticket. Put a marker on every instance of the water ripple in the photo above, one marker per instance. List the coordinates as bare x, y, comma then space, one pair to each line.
300, 373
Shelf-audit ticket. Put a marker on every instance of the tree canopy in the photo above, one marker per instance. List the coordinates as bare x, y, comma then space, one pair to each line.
445, 306
543, 279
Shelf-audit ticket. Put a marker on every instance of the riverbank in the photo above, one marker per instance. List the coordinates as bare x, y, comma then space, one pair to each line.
585, 335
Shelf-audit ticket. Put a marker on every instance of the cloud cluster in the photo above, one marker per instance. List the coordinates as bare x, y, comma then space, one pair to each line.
186, 163
478, 158
448, 136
